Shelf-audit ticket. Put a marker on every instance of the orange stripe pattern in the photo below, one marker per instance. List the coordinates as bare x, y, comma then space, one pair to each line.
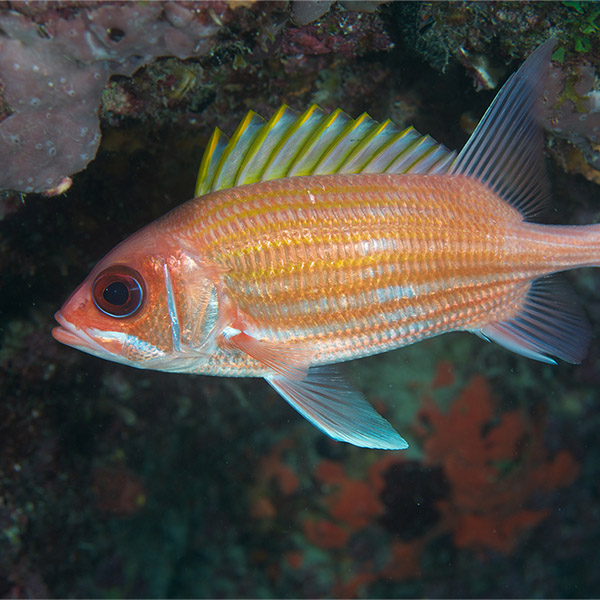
354, 265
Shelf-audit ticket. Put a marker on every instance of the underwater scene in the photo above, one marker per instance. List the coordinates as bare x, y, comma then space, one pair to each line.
468, 466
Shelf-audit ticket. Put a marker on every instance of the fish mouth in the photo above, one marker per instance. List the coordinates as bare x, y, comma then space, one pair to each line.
66, 333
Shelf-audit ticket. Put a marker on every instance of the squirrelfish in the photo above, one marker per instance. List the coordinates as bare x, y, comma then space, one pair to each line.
314, 239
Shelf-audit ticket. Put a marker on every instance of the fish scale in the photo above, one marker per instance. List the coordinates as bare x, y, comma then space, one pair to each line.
457, 259
280, 279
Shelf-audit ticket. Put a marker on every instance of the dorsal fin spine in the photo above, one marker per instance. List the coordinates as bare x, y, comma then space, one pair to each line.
203, 183
314, 143
386, 140
235, 138
351, 126
393, 140
410, 149
365, 143
259, 140
425, 154
301, 121
314, 139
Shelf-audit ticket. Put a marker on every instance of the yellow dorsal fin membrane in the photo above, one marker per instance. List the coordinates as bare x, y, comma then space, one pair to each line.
323, 136
290, 145
350, 136
315, 143
236, 150
210, 160
265, 145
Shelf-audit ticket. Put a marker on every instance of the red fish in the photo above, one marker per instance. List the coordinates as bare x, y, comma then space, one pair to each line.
317, 239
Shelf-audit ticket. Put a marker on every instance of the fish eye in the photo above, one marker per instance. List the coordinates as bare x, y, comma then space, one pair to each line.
118, 291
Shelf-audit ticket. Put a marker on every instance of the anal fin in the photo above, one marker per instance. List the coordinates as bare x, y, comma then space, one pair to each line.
328, 400
550, 323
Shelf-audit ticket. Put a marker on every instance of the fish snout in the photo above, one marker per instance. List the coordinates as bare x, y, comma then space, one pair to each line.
66, 333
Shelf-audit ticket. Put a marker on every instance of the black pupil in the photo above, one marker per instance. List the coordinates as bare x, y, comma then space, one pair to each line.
116, 293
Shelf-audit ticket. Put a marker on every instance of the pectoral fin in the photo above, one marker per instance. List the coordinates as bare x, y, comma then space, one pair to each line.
284, 359
321, 394
330, 402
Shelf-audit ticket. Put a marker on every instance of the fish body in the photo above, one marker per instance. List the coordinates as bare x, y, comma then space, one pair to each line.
313, 242
354, 265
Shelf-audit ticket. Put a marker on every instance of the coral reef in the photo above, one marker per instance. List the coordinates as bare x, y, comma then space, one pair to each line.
494, 466
572, 114
320, 39
56, 60
482, 36
485, 481
307, 11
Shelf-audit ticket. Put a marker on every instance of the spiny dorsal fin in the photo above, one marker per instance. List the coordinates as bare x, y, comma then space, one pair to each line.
505, 150
315, 143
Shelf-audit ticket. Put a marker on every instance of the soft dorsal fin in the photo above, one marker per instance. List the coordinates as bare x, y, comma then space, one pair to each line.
505, 150
315, 143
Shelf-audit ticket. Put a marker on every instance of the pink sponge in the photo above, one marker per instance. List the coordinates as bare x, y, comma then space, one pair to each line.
53, 78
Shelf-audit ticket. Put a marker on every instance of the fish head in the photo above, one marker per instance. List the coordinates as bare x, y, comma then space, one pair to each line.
145, 304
